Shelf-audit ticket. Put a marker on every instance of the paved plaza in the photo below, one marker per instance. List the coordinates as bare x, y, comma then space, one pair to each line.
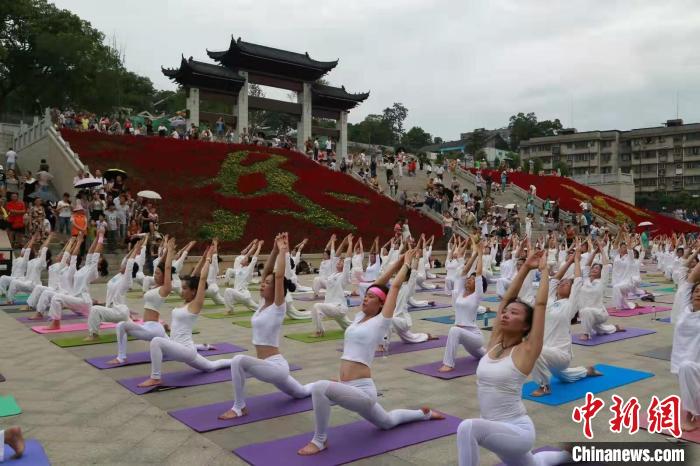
82, 416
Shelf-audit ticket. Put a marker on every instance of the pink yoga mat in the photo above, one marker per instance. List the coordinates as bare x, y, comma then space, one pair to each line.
27, 320
692, 436
144, 357
80, 326
637, 311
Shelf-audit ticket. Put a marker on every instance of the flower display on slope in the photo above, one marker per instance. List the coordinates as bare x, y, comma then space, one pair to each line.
239, 192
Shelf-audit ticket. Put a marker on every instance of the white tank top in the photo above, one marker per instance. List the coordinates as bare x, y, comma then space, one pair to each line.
153, 300
499, 388
267, 324
466, 306
181, 324
362, 338
373, 270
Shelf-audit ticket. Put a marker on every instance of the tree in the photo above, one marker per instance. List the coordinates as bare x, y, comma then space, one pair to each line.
415, 138
523, 127
562, 167
476, 143
374, 129
395, 116
437, 140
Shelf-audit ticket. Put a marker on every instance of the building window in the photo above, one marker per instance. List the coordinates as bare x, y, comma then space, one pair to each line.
625, 157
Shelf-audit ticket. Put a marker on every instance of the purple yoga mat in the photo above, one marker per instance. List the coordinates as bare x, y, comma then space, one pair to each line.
347, 443
631, 332
27, 320
463, 367
398, 347
545, 448
637, 311
189, 378
143, 357
428, 308
204, 418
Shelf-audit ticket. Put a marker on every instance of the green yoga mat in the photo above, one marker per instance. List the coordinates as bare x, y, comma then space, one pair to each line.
8, 406
17, 310
307, 338
223, 315
287, 321
670, 289
69, 342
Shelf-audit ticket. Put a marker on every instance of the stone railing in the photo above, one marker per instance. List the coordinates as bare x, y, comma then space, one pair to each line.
29, 134
603, 178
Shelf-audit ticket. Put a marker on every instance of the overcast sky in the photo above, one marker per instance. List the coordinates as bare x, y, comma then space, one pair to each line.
456, 65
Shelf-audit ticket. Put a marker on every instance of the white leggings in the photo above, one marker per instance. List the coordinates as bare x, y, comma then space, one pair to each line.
2, 445
555, 362
233, 296
619, 295
421, 282
78, 304
33, 299
214, 294
45, 300
413, 302
138, 279
99, 314
274, 370
292, 312
146, 332
359, 396
502, 285
470, 338
593, 321
402, 326
148, 283
17, 285
5, 281
334, 311
164, 346
510, 440
318, 285
689, 380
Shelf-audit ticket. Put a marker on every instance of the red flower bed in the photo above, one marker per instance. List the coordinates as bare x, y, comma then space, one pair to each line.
190, 177
570, 194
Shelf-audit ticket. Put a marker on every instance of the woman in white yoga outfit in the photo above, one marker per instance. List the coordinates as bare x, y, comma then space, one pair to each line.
140, 261
19, 266
76, 296
374, 268
590, 305
685, 355
269, 365
465, 298
356, 390
241, 278
178, 263
357, 268
60, 263
180, 346
32, 278
556, 355
115, 309
335, 303
421, 270
515, 344
685, 281
13, 437
231, 271
213, 292
454, 261
153, 300
489, 260
325, 268
295, 257
291, 276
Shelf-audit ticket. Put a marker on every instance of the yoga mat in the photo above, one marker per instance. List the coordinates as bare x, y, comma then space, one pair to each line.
692, 436
426, 290
143, 357
336, 334
16, 310
666, 320
666, 290
451, 319
637, 311
71, 328
348, 443
27, 320
491, 299
188, 378
286, 321
630, 332
613, 376
224, 315
69, 342
399, 347
8, 406
34, 455
18, 302
270, 406
544, 448
427, 308
663, 353
463, 367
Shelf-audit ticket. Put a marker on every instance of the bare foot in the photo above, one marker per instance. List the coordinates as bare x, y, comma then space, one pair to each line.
54, 325
446, 368
229, 313
115, 361
25, 308
433, 337
687, 426
15, 439
231, 414
543, 390
593, 372
37, 316
584, 337
150, 383
434, 415
317, 334
91, 338
619, 329
311, 449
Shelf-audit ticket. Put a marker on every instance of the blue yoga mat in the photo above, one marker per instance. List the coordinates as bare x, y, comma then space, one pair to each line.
492, 299
451, 319
562, 392
34, 455
665, 319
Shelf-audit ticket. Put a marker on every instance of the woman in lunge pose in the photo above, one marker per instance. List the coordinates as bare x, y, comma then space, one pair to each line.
40, 291
243, 272
212, 277
373, 269
326, 267
335, 304
515, 344
465, 299
178, 263
269, 365
231, 271
115, 308
180, 346
19, 266
356, 391
33, 276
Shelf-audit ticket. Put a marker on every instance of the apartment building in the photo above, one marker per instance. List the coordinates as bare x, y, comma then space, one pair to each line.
663, 158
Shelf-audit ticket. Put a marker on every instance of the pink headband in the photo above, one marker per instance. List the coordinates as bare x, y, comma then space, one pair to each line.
378, 293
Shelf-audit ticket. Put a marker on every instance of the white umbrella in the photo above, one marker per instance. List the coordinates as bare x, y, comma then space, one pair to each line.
149, 195
510, 206
645, 224
88, 183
